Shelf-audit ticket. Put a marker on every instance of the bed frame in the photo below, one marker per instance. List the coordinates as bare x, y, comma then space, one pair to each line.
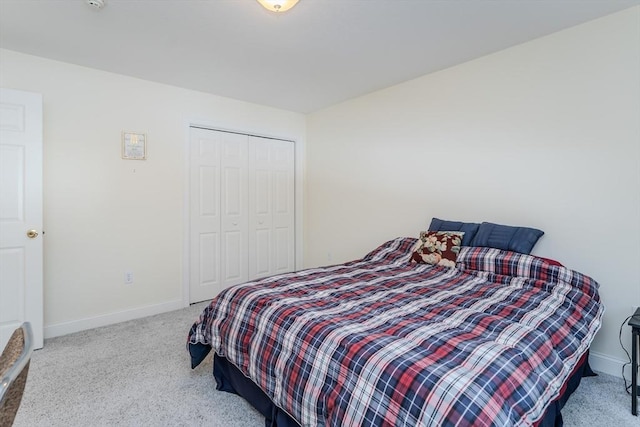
230, 379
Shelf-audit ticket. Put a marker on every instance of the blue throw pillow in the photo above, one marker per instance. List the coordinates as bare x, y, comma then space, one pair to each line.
469, 228
517, 239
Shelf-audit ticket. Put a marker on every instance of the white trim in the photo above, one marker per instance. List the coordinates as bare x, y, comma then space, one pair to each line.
299, 202
186, 278
608, 365
110, 319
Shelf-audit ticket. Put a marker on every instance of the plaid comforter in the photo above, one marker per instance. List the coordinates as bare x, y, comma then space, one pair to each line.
382, 341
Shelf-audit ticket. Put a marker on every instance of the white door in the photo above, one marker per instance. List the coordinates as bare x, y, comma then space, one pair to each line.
204, 236
21, 296
241, 210
283, 209
233, 194
218, 212
271, 207
261, 210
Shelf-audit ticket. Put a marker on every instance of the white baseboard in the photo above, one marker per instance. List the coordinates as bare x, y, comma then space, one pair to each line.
608, 365
65, 328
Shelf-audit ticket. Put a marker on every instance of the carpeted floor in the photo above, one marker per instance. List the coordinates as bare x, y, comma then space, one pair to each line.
138, 374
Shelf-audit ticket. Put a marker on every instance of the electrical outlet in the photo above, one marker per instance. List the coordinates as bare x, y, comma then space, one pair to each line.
128, 277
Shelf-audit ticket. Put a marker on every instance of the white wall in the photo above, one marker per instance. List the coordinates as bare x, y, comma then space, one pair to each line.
545, 134
104, 215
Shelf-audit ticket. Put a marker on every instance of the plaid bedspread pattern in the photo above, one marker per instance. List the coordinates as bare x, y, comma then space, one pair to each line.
381, 341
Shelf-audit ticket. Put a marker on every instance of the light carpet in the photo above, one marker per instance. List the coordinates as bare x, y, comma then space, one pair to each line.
138, 374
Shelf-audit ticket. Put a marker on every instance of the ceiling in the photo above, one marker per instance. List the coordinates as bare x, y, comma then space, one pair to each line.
319, 53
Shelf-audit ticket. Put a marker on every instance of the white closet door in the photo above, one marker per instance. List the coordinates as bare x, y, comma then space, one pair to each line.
234, 208
271, 207
218, 212
241, 210
260, 208
284, 202
205, 272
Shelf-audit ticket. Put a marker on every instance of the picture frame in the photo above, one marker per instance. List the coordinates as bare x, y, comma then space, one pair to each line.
134, 146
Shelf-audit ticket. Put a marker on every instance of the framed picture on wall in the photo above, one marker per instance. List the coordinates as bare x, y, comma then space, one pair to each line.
134, 146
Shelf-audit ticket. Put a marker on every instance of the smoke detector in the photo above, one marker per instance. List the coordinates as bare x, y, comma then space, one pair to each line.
95, 4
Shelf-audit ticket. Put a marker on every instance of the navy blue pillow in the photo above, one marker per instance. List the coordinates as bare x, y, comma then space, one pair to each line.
469, 228
517, 239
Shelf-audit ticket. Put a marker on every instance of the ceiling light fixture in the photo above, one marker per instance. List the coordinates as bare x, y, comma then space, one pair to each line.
95, 4
278, 5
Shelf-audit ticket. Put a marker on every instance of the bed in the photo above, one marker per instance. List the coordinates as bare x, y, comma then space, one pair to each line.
500, 338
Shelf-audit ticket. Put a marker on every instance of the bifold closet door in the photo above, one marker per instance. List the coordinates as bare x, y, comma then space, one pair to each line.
218, 212
271, 207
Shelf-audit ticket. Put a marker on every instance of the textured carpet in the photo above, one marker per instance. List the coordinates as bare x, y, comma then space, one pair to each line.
138, 374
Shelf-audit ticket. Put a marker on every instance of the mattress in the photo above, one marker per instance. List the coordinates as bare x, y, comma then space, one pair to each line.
383, 341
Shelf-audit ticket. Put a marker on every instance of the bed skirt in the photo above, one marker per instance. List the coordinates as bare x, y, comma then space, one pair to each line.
230, 379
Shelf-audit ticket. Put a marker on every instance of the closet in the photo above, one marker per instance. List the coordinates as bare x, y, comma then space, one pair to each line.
241, 208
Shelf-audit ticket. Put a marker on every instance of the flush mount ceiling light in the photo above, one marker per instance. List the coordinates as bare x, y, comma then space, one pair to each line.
278, 5
95, 4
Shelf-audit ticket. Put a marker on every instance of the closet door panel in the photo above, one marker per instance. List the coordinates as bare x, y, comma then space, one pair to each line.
241, 210
283, 212
262, 257
260, 206
261, 224
233, 267
234, 163
209, 254
283, 249
208, 194
271, 205
204, 264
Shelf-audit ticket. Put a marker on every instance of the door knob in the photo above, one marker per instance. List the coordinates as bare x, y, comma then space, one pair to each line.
32, 234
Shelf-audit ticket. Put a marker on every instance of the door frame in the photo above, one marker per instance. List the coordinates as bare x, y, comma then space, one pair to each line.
298, 194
